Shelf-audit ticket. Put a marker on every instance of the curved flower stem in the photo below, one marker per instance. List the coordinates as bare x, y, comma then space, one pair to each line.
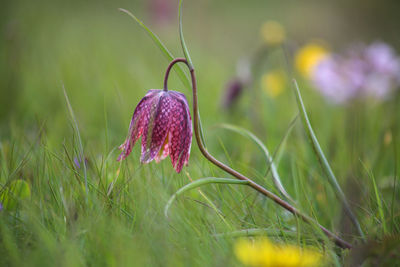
338, 241
176, 60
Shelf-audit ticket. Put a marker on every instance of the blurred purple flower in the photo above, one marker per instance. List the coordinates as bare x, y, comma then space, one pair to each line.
385, 70
78, 162
382, 58
362, 72
1, 206
338, 81
162, 11
163, 120
233, 90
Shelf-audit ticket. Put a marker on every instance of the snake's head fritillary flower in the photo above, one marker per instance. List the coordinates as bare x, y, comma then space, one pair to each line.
162, 119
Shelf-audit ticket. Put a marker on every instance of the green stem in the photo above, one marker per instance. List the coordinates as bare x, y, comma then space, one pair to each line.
323, 161
338, 241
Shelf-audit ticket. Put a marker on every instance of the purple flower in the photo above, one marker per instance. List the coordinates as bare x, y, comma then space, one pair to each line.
235, 87
233, 90
384, 70
1, 206
382, 58
362, 72
162, 11
163, 120
337, 80
76, 161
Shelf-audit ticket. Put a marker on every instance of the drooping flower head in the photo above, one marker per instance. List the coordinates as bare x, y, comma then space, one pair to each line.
162, 119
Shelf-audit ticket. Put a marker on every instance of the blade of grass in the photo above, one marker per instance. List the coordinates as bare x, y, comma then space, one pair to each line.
257, 232
274, 172
189, 60
377, 196
393, 202
21, 163
280, 148
212, 205
161, 46
184, 47
198, 183
322, 159
72, 165
76, 129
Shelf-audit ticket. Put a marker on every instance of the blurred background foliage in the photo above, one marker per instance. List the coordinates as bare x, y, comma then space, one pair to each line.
107, 63
98, 53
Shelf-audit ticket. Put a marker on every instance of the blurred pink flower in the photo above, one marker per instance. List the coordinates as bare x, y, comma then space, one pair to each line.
361, 72
163, 120
162, 11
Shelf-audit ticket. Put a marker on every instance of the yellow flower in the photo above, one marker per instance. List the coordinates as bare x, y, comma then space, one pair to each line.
263, 253
387, 138
273, 33
273, 83
308, 57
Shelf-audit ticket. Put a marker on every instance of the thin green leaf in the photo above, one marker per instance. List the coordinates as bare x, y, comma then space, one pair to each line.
322, 159
378, 198
76, 129
258, 232
282, 144
184, 47
162, 47
190, 63
212, 205
198, 183
275, 176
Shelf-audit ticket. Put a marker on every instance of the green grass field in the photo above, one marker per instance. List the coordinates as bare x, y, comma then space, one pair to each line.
106, 63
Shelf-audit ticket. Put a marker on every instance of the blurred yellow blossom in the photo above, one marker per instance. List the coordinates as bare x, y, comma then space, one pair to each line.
273, 83
387, 138
273, 33
263, 253
308, 57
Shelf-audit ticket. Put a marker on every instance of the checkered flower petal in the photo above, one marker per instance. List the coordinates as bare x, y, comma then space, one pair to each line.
162, 119
180, 132
138, 123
